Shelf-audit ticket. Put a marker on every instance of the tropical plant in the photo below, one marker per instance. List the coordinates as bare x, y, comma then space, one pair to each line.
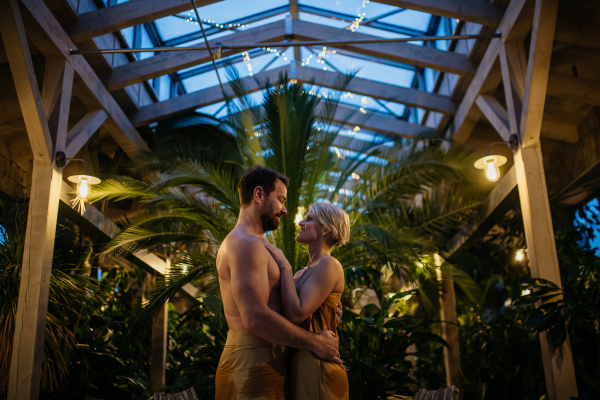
69, 290
406, 201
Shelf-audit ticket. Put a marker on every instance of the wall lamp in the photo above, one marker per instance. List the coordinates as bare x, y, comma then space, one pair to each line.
84, 182
490, 163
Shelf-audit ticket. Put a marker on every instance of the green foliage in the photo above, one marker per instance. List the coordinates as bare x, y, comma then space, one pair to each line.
69, 290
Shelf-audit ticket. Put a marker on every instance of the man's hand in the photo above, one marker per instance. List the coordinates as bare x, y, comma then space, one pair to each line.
338, 315
326, 347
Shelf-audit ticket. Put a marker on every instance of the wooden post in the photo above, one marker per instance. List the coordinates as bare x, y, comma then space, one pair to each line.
449, 330
46, 116
158, 363
525, 87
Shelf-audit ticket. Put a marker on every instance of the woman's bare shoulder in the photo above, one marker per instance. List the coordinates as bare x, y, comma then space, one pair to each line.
329, 262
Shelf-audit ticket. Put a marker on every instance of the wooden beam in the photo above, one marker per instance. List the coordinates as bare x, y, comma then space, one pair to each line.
491, 209
121, 16
571, 88
377, 122
449, 317
61, 71
30, 321
383, 91
167, 63
420, 56
78, 136
495, 113
543, 261
158, 356
202, 98
191, 101
487, 77
559, 368
538, 70
21, 66
480, 12
118, 125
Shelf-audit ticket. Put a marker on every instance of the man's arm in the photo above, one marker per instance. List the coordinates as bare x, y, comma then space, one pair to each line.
250, 288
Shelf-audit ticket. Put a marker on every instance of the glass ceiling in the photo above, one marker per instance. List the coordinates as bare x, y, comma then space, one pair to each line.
226, 17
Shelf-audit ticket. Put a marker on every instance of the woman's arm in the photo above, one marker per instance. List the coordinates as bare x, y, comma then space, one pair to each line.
323, 278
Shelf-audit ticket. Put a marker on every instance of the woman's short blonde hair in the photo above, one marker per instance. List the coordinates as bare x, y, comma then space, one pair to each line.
335, 218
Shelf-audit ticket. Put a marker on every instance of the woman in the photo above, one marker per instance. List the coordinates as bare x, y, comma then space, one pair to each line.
310, 299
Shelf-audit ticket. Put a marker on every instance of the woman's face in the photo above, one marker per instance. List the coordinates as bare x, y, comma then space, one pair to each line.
311, 230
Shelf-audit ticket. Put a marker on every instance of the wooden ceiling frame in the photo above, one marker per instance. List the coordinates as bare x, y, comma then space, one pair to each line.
359, 86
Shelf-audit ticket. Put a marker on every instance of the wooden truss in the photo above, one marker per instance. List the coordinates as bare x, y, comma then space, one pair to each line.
526, 80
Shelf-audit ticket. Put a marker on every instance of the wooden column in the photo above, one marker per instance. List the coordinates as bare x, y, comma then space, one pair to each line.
45, 115
294, 11
158, 363
449, 330
525, 86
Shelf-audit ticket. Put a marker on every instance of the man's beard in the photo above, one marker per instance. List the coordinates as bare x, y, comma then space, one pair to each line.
269, 223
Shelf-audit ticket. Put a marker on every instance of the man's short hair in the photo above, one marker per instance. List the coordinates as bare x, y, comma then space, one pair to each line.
259, 176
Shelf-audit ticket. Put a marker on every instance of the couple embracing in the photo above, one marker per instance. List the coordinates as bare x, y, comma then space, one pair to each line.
281, 342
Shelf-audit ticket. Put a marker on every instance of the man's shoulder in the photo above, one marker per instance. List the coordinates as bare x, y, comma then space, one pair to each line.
243, 244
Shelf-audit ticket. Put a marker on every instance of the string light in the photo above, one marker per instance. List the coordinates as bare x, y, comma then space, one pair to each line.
247, 61
354, 130
363, 108
356, 23
189, 18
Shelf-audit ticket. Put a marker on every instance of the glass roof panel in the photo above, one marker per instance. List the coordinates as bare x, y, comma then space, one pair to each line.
171, 27
351, 7
410, 19
264, 21
284, 59
366, 69
317, 19
222, 12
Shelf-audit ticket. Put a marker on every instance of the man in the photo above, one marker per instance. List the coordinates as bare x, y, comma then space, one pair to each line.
254, 362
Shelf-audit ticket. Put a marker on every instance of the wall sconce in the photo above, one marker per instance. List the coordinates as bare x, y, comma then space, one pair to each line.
520, 255
84, 182
490, 163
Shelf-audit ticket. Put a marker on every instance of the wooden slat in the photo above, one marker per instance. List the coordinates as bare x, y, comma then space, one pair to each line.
466, 119
120, 16
21, 66
571, 88
167, 63
420, 56
191, 101
78, 136
538, 70
480, 12
383, 91
495, 113
192, 392
118, 125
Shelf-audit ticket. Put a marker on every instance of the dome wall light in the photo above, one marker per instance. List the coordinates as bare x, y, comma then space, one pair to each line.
491, 163
84, 182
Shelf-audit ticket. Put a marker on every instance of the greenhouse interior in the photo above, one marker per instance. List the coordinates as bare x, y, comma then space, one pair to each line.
303, 199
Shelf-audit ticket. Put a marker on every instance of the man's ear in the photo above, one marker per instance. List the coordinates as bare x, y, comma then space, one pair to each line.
259, 194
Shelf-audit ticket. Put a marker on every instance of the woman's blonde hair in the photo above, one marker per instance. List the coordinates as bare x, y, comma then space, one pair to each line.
335, 218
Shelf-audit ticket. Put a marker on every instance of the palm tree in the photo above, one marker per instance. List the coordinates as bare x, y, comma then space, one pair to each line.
187, 185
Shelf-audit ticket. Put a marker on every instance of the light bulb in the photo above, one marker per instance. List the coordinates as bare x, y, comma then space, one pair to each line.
525, 292
298, 218
492, 172
520, 255
84, 188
